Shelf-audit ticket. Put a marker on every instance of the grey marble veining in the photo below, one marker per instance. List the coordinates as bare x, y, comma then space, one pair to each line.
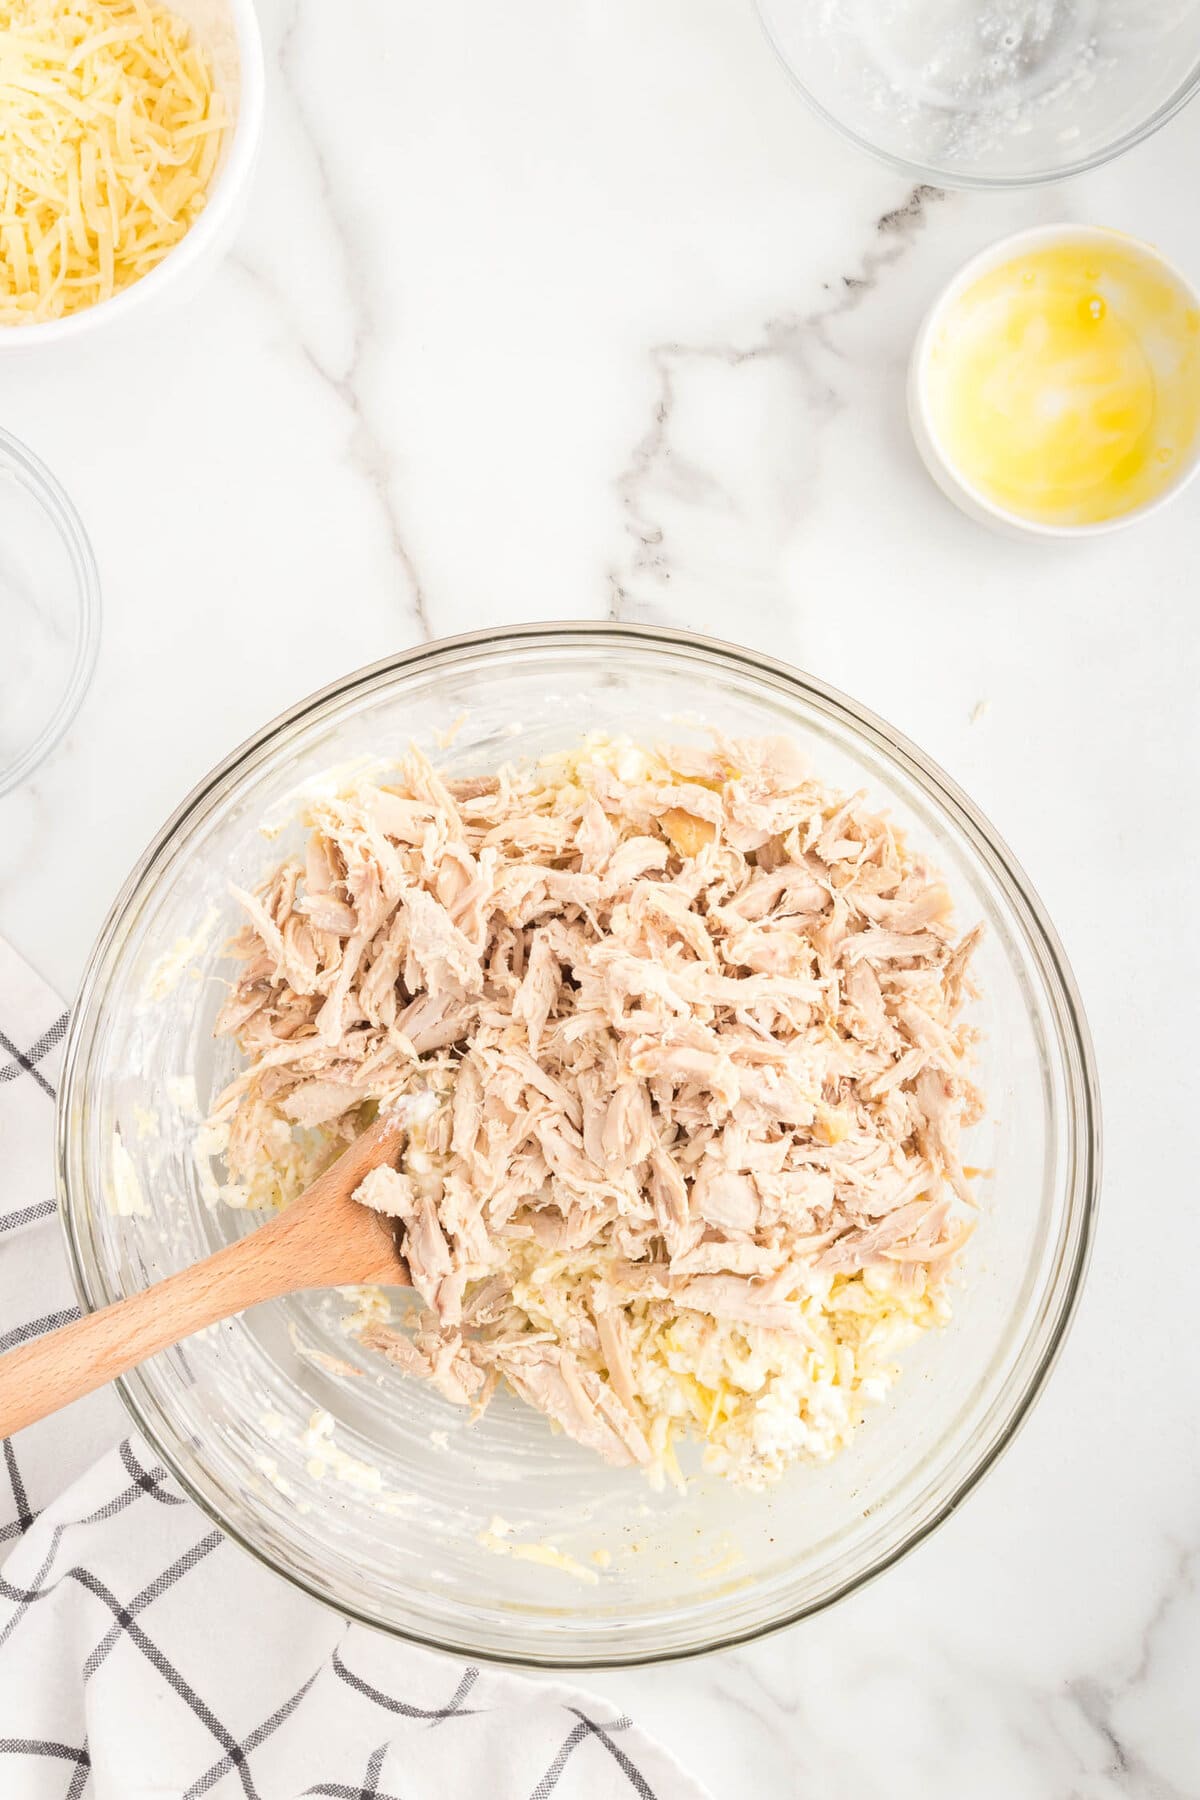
795, 356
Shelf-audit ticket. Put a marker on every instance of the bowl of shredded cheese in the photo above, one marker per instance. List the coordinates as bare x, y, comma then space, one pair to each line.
128, 135
719, 1313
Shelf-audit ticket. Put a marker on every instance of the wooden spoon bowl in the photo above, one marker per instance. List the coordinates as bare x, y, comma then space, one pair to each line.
324, 1239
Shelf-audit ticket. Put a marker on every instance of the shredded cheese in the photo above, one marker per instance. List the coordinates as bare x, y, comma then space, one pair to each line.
110, 129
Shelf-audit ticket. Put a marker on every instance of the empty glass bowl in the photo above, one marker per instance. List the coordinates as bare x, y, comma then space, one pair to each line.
990, 93
49, 612
369, 1490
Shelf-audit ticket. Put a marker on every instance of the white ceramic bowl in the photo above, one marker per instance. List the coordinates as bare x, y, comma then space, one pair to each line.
949, 477
228, 31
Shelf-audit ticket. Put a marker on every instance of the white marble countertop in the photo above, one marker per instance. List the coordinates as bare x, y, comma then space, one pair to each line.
548, 311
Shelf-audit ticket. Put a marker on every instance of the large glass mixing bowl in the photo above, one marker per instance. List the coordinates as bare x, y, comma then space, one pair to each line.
367, 1489
990, 93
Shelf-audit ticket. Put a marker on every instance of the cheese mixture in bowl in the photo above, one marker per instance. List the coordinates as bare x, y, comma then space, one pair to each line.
661, 932
692, 1024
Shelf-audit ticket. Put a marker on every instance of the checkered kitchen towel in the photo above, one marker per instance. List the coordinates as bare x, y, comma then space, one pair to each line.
142, 1655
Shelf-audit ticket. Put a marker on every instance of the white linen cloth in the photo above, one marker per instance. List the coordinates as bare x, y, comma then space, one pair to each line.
145, 1657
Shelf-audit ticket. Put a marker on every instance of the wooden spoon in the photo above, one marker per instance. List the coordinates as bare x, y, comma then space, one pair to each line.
324, 1239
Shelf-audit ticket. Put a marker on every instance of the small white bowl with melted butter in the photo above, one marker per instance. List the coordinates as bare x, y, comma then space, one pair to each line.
1054, 387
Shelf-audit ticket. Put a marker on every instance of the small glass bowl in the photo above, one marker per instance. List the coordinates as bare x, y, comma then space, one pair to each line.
49, 612
1001, 95
370, 1491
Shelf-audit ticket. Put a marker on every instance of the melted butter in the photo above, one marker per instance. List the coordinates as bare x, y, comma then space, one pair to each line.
1065, 385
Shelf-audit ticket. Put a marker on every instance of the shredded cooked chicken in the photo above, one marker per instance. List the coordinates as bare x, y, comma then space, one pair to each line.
693, 1025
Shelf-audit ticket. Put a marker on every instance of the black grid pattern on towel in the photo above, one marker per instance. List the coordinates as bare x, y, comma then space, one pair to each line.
131, 1617
25, 1062
21, 1065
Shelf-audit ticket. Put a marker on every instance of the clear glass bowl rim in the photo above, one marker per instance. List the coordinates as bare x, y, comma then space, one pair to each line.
928, 174
1081, 1125
56, 503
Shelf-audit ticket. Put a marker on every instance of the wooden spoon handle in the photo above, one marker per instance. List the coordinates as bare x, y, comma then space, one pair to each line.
38, 1378
324, 1240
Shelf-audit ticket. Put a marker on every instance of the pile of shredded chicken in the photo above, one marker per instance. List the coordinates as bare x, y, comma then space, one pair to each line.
692, 1025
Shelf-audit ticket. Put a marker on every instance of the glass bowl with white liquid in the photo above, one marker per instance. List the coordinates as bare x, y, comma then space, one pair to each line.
990, 93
